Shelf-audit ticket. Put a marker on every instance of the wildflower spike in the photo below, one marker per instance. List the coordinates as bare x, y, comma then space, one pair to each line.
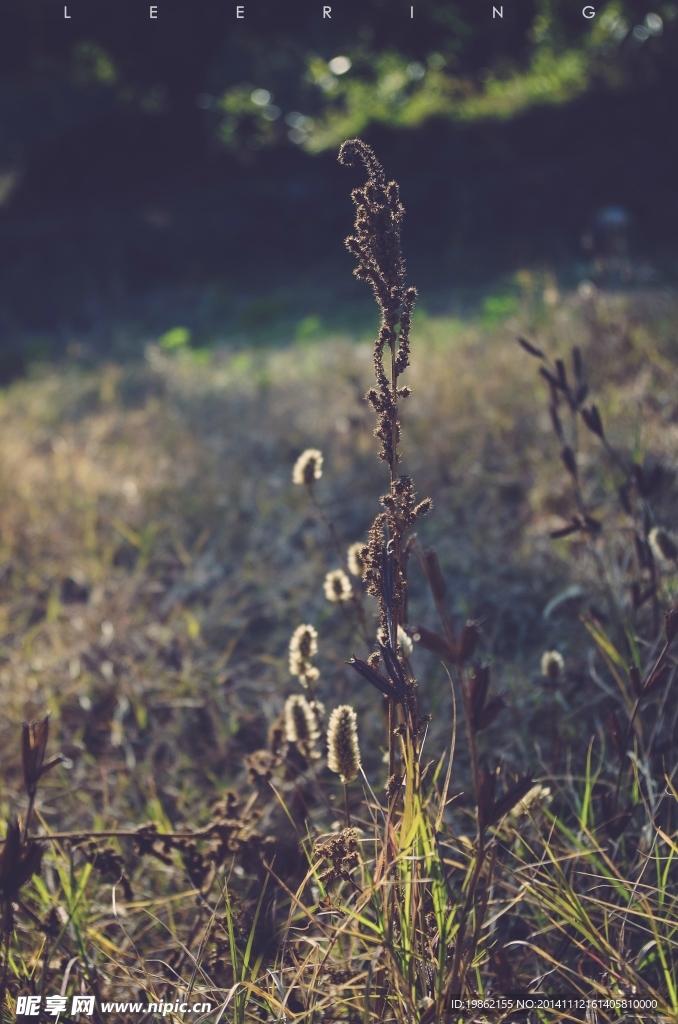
308, 468
343, 752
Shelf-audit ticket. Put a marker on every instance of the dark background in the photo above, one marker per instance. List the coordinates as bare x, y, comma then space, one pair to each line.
124, 213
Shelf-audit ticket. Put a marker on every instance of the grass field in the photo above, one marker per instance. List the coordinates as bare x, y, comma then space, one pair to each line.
155, 559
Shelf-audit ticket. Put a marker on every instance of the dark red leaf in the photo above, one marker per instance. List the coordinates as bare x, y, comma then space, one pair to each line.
368, 673
565, 531
532, 349
490, 712
434, 642
509, 800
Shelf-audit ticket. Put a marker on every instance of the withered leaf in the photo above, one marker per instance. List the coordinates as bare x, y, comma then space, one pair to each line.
557, 425
592, 419
529, 347
487, 785
434, 642
19, 860
468, 641
624, 498
509, 800
547, 375
671, 624
657, 677
581, 393
565, 531
367, 672
616, 735
490, 712
569, 460
394, 669
636, 683
434, 575
577, 364
479, 684
562, 375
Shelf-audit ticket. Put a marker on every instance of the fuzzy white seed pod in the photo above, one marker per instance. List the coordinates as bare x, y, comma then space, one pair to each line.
356, 564
303, 645
552, 665
343, 752
304, 641
301, 726
308, 468
664, 546
337, 586
538, 796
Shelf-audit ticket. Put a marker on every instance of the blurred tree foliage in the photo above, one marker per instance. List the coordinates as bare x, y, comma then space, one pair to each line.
283, 73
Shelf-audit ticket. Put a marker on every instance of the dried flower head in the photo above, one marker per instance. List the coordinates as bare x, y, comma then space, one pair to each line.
343, 752
663, 544
337, 586
552, 665
538, 796
303, 646
355, 559
301, 724
260, 765
304, 642
343, 852
308, 468
375, 243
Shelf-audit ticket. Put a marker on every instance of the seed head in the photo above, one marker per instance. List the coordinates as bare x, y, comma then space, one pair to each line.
663, 544
356, 562
343, 851
303, 646
308, 468
538, 796
337, 586
343, 752
552, 665
301, 725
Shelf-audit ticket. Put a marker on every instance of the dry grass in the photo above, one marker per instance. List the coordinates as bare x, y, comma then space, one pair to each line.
155, 559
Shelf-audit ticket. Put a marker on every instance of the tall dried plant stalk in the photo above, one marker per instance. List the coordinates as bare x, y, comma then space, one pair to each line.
376, 245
